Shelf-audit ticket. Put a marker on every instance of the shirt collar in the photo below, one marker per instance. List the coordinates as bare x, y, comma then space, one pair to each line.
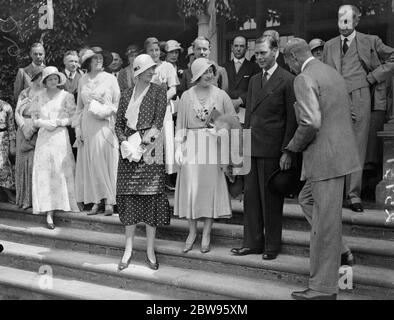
349, 38
69, 75
36, 66
306, 62
241, 61
271, 70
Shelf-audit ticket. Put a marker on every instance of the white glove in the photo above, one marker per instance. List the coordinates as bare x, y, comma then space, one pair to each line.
125, 149
179, 155
62, 122
49, 125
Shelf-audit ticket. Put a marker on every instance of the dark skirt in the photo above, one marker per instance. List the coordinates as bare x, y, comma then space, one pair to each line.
153, 210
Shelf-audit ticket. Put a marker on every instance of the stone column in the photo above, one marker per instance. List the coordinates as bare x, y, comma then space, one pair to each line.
203, 30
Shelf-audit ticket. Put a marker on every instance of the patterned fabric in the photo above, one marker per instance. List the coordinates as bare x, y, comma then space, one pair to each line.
53, 164
125, 79
7, 136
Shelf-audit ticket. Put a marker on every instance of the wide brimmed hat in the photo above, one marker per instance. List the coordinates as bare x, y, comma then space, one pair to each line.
285, 182
107, 57
142, 63
172, 45
316, 43
36, 73
199, 66
48, 71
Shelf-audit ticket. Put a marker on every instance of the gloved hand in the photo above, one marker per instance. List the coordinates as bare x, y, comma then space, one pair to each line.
179, 155
125, 149
62, 122
49, 125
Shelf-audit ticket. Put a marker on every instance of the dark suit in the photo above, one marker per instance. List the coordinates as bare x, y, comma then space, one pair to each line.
271, 118
238, 82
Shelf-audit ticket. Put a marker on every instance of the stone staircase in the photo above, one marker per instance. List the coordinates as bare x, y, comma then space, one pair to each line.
83, 253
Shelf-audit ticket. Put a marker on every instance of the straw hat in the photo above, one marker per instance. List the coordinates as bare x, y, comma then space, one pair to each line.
199, 66
316, 43
48, 71
172, 45
142, 63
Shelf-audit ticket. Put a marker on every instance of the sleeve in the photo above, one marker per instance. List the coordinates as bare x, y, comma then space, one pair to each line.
172, 78
35, 107
307, 95
18, 84
291, 122
224, 77
160, 107
386, 56
120, 124
248, 105
181, 128
76, 120
325, 53
11, 124
122, 80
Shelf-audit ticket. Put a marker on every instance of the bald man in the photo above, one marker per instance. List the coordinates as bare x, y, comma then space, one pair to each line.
326, 139
365, 62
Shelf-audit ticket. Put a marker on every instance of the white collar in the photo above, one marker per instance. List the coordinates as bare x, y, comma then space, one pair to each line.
69, 74
271, 70
349, 38
306, 62
241, 61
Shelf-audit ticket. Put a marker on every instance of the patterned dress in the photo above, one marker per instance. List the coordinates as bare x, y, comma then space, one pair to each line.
140, 186
54, 164
125, 79
7, 136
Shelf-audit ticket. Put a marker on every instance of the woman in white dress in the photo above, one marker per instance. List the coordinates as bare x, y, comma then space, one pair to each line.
94, 123
53, 164
165, 75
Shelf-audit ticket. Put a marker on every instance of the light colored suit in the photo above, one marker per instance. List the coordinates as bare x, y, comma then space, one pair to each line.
377, 61
326, 138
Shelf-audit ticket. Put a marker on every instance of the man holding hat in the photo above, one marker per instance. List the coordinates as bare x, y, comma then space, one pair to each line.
326, 138
317, 46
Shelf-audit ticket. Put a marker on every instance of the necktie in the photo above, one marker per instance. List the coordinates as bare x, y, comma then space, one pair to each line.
265, 78
345, 45
237, 66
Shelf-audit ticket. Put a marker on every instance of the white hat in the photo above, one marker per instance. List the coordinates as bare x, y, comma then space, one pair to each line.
190, 51
48, 71
172, 45
86, 55
142, 63
199, 66
316, 43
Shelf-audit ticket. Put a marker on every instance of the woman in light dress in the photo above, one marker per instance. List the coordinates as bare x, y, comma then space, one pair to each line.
94, 123
26, 138
201, 189
53, 164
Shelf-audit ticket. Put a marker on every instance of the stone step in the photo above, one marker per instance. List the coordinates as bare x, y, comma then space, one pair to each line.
368, 280
368, 251
18, 284
176, 281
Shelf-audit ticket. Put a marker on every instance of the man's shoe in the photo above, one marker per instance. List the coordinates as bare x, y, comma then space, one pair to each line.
310, 294
347, 259
270, 256
245, 251
356, 207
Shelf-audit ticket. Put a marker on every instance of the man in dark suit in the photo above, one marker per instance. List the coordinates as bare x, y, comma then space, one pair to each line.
239, 71
365, 62
326, 138
271, 119
23, 77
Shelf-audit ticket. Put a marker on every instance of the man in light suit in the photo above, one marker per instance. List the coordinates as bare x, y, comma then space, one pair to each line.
270, 117
72, 73
364, 61
240, 70
326, 138
23, 77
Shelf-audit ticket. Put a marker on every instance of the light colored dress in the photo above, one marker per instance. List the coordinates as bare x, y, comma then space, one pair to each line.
201, 189
54, 164
165, 75
7, 135
98, 155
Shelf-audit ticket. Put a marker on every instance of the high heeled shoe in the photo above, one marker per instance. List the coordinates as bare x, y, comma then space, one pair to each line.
205, 248
94, 210
51, 226
109, 210
152, 265
189, 245
124, 265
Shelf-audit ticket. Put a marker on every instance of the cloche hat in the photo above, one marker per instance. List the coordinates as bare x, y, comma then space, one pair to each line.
172, 45
142, 63
48, 71
199, 66
316, 43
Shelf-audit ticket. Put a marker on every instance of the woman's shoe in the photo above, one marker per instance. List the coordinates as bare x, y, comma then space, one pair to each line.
51, 226
205, 249
109, 210
123, 265
94, 210
152, 265
189, 245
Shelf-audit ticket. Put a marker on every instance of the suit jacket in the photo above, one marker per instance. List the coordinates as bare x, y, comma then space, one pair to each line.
23, 79
71, 85
270, 113
376, 58
324, 132
238, 82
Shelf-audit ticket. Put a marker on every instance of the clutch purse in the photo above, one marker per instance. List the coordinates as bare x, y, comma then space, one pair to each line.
98, 109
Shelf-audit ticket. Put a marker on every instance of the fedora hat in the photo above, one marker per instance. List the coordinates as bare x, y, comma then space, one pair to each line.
285, 182
172, 45
48, 71
142, 63
199, 66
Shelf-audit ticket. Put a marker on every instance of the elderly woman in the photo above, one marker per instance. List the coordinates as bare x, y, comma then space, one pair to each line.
7, 150
201, 189
26, 138
53, 164
140, 186
165, 75
126, 76
98, 147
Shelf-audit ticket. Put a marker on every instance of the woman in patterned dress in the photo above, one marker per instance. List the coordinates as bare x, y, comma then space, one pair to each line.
7, 150
94, 123
126, 76
53, 164
26, 138
201, 189
140, 185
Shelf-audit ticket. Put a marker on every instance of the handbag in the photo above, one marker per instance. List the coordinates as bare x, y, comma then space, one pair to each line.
98, 109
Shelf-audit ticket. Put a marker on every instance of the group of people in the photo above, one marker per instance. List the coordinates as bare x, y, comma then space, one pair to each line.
313, 100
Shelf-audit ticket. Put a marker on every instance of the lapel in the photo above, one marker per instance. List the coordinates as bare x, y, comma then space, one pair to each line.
241, 72
336, 51
271, 85
363, 49
29, 70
